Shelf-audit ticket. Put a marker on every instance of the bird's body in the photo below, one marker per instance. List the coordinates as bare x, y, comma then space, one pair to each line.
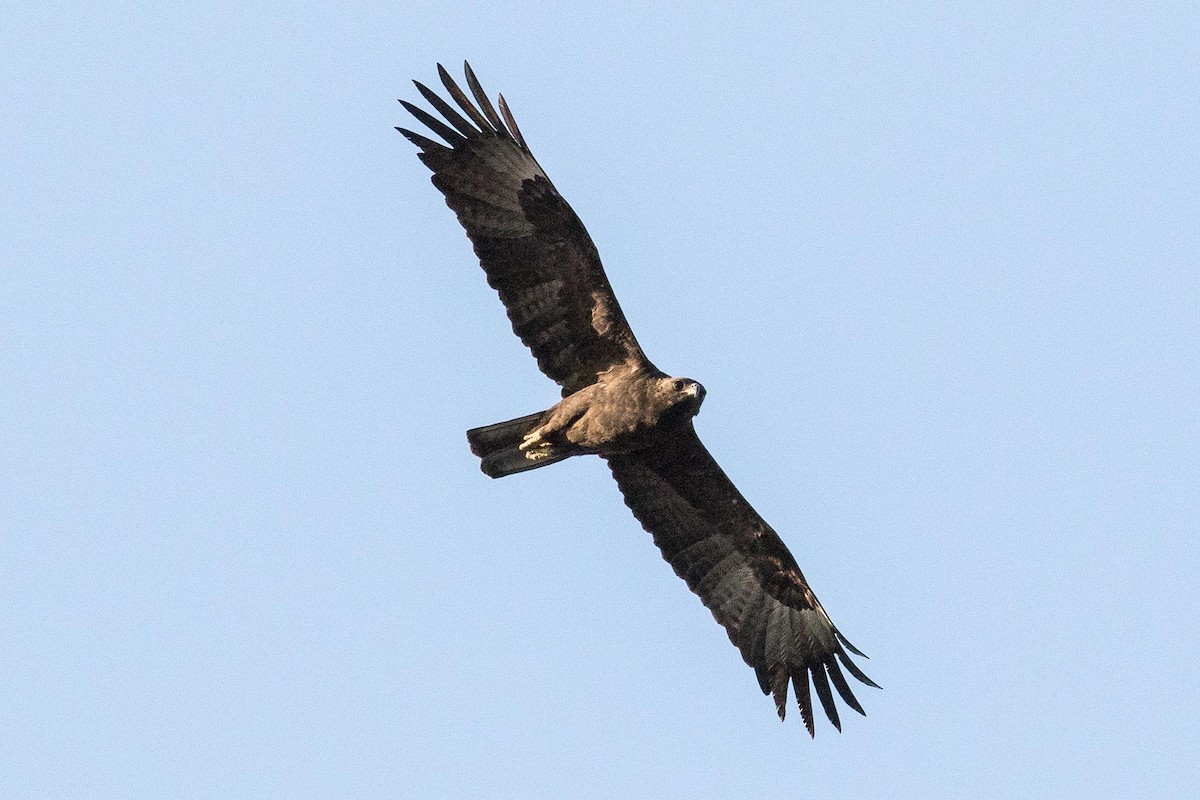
622, 412
617, 405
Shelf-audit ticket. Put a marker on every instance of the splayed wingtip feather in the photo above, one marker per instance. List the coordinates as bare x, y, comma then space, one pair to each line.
427, 145
804, 700
853, 669
453, 117
779, 688
452, 137
821, 684
843, 688
485, 105
849, 646
463, 101
512, 123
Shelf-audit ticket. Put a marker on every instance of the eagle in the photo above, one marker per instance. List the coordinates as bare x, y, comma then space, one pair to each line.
617, 405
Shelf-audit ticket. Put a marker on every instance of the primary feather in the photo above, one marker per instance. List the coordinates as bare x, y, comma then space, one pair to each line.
535, 251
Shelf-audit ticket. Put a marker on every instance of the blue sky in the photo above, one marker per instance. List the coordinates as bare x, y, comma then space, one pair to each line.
935, 264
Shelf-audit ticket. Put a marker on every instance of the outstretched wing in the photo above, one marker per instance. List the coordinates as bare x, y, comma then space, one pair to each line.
741, 570
536, 252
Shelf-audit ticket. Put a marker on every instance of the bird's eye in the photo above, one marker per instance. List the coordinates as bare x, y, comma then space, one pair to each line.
678, 384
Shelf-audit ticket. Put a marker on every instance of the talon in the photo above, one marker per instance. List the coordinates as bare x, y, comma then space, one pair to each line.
531, 440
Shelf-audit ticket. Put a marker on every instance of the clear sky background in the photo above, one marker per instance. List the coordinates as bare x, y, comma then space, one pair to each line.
936, 265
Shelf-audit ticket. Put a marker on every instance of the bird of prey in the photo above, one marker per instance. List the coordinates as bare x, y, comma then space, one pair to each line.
617, 405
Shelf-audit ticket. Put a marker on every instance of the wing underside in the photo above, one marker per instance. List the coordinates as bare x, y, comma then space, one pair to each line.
741, 570
533, 247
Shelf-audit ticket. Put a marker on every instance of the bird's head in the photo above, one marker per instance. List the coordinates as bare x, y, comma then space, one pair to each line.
684, 393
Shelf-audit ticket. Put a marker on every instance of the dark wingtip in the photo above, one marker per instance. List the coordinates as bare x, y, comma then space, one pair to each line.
453, 137
485, 105
843, 688
427, 145
849, 646
511, 122
446, 110
764, 682
779, 688
464, 103
821, 684
853, 669
804, 701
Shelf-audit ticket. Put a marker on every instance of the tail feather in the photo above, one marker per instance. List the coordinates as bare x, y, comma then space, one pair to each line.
501, 434
498, 446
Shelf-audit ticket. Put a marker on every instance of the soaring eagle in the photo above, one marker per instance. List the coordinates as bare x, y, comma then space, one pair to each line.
619, 406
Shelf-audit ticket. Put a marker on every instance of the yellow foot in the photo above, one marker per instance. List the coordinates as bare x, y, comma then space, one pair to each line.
534, 446
543, 451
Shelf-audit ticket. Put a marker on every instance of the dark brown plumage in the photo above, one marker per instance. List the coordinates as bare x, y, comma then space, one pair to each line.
618, 405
